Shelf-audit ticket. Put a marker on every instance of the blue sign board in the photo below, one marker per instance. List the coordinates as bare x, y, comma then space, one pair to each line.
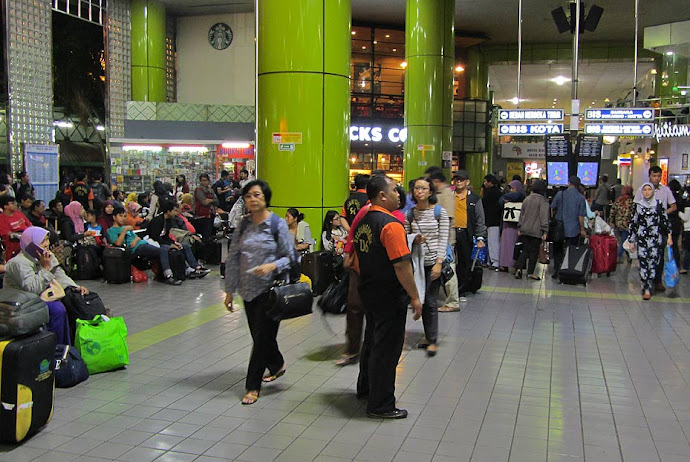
512, 115
620, 129
620, 113
530, 129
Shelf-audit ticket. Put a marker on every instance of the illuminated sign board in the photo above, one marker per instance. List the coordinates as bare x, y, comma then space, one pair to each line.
669, 130
620, 129
376, 134
621, 113
530, 129
509, 115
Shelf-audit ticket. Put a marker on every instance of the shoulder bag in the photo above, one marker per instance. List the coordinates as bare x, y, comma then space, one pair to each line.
447, 272
511, 212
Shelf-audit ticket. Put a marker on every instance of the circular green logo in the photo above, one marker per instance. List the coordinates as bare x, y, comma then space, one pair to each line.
220, 36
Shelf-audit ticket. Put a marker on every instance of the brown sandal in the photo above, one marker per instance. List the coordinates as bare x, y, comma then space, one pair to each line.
250, 397
271, 378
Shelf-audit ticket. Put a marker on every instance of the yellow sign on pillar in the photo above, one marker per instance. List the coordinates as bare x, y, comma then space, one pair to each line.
287, 137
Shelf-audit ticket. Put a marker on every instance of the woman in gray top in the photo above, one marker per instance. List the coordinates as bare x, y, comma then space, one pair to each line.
261, 250
533, 226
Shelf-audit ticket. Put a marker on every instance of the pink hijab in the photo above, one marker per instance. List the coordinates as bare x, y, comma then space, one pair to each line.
73, 210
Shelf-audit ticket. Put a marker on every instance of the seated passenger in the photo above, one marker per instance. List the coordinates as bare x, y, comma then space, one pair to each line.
121, 234
36, 214
12, 223
32, 270
72, 223
106, 218
159, 231
299, 230
334, 235
133, 218
25, 204
92, 225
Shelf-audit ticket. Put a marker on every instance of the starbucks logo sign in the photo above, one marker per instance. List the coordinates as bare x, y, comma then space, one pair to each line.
220, 36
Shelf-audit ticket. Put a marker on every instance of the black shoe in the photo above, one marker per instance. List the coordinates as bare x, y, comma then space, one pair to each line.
518, 274
201, 272
172, 281
554, 276
395, 414
362, 396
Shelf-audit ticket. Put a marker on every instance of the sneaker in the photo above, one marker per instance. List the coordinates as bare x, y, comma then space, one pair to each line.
172, 281
462, 299
201, 272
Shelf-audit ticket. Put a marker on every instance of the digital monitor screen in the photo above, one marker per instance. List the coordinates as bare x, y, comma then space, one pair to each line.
588, 172
557, 173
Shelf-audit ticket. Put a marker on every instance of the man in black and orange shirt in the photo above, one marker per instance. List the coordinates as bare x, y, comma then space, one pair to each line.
386, 284
357, 199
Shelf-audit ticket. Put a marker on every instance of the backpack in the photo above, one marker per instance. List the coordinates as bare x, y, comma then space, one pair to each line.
294, 270
87, 261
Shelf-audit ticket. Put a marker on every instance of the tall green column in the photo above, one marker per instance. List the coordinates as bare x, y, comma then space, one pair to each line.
303, 107
430, 56
148, 51
477, 87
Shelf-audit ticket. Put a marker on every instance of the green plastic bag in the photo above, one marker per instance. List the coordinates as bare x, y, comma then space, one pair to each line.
102, 343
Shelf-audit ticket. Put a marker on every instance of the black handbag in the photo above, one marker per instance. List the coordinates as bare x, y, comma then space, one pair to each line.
287, 301
334, 299
517, 250
447, 272
69, 368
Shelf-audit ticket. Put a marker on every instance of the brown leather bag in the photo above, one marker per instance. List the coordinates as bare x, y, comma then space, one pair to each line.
544, 252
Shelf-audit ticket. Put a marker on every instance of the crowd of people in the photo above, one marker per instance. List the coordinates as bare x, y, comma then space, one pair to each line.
397, 245
420, 248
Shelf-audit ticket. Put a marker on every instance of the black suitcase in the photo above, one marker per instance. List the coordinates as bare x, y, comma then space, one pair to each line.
80, 306
26, 385
577, 265
476, 277
21, 313
117, 263
178, 264
318, 266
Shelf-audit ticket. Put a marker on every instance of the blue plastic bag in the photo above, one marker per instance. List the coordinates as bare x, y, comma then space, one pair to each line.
479, 254
671, 273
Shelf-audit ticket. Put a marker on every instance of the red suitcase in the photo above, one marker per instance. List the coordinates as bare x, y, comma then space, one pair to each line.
604, 253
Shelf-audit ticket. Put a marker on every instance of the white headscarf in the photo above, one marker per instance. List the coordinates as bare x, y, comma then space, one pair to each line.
644, 202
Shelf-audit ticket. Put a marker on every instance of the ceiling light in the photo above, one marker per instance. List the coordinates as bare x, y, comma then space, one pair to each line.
560, 80
364, 48
459, 68
683, 92
100, 128
236, 145
375, 42
669, 53
353, 32
198, 149
141, 147
388, 36
395, 49
652, 71
514, 100
63, 124
403, 64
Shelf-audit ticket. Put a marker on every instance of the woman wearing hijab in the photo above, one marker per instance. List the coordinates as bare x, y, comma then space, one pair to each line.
509, 235
619, 219
32, 271
648, 225
133, 218
106, 218
72, 223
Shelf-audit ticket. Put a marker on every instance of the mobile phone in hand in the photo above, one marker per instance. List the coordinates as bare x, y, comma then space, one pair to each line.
34, 250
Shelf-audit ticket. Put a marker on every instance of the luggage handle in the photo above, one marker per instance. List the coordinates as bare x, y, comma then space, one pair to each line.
64, 358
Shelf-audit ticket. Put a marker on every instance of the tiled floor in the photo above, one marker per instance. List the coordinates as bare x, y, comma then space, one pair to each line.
527, 371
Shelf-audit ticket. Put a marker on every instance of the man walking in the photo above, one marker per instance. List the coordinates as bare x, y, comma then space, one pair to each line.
570, 213
386, 285
602, 197
469, 223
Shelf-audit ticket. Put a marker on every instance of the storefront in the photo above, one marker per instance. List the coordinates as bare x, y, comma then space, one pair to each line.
674, 151
377, 145
134, 167
525, 159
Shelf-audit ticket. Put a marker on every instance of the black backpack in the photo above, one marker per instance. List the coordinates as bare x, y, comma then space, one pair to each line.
88, 264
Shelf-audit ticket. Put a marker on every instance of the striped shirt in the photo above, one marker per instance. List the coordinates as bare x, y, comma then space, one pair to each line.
436, 232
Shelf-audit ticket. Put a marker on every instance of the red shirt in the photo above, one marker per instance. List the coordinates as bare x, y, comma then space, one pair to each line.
15, 223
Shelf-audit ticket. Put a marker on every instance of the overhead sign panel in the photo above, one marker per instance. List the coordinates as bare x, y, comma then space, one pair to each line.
530, 129
620, 129
510, 115
621, 113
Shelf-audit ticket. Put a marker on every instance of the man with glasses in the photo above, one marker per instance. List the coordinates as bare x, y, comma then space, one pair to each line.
469, 223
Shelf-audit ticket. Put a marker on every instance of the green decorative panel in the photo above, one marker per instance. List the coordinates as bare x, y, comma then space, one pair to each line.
142, 110
218, 113
181, 112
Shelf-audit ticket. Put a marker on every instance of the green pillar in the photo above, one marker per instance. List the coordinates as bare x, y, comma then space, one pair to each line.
430, 56
148, 51
672, 72
477, 164
304, 88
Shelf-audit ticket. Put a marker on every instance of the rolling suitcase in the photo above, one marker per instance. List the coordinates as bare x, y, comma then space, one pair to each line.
21, 313
604, 253
577, 264
476, 277
26, 385
318, 266
116, 265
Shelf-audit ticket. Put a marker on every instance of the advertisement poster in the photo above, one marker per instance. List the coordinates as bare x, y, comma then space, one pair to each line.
41, 163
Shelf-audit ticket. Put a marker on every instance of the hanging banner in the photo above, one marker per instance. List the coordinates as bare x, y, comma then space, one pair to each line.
41, 162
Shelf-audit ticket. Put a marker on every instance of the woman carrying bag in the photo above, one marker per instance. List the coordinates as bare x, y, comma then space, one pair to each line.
533, 227
431, 224
255, 260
